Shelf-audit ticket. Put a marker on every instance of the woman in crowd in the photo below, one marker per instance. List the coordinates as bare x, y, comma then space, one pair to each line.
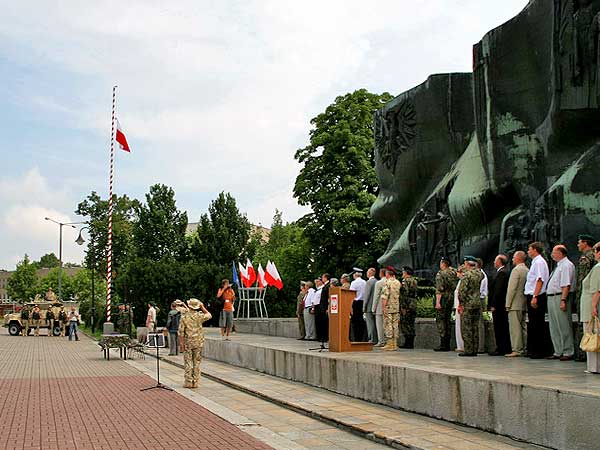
589, 306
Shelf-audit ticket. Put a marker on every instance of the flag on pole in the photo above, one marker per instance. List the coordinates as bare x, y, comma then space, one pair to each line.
120, 138
262, 283
251, 272
244, 275
236, 278
272, 276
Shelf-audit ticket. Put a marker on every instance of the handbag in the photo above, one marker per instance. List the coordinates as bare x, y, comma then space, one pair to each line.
590, 342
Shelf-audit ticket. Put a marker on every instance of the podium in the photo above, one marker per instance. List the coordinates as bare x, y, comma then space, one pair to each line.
340, 310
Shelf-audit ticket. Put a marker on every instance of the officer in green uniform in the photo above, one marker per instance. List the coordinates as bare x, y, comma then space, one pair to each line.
25, 320
50, 319
408, 307
191, 340
445, 284
469, 306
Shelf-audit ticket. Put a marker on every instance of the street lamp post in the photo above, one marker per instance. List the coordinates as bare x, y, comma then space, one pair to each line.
60, 226
80, 241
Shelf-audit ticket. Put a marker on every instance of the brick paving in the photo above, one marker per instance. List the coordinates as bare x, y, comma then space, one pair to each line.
63, 395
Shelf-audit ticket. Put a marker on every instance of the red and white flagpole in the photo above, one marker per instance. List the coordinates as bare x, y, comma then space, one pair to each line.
110, 208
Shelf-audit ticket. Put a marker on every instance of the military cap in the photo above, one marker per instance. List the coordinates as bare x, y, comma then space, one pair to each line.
194, 303
469, 258
585, 237
391, 269
446, 260
356, 270
407, 269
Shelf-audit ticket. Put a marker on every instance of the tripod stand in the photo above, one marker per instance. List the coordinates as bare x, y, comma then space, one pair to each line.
159, 385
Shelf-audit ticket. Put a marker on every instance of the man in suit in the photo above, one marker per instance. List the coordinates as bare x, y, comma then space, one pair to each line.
378, 308
321, 319
497, 304
368, 306
516, 304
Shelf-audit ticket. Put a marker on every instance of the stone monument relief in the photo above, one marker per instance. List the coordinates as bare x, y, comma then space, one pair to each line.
482, 162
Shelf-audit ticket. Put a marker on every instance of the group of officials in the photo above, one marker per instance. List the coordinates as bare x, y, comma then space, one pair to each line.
523, 293
518, 300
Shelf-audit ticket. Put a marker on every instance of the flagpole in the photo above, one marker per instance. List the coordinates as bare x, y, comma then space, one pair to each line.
110, 209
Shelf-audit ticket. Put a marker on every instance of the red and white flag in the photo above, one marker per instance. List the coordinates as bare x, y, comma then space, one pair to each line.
121, 139
244, 275
262, 283
251, 272
272, 276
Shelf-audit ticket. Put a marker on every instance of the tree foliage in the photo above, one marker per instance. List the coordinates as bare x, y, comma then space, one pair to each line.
338, 182
48, 261
23, 283
159, 229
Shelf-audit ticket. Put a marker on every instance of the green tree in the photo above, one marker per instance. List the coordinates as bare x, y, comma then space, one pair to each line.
159, 231
223, 234
23, 284
95, 210
51, 281
337, 180
48, 261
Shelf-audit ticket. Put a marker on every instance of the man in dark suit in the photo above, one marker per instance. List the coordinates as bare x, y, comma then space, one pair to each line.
497, 304
321, 318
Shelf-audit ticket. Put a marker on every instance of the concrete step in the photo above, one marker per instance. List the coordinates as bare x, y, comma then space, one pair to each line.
537, 401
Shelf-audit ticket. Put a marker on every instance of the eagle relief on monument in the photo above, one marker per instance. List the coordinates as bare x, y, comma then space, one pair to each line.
488, 161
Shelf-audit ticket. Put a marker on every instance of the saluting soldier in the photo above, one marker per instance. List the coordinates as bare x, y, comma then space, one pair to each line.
191, 340
62, 320
50, 318
25, 320
35, 319
585, 244
469, 306
445, 284
408, 307
391, 309
50, 295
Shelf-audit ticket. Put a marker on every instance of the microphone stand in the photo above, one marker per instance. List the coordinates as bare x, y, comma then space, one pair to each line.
159, 385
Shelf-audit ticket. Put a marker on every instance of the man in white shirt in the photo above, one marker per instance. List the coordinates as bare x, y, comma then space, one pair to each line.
151, 317
483, 294
559, 307
537, 301
358, 328
309, 317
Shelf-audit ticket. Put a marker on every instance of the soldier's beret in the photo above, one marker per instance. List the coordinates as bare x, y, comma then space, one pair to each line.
390, 269
446, 260
470, 259
586, 237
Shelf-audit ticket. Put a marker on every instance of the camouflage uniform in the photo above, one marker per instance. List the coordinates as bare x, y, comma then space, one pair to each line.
408, 308
35, 321
391, 293
445, 284
190, 329
470, 298
25, 321
62, 321
50, 319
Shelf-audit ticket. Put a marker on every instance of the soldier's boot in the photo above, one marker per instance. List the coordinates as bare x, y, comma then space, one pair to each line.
387, 346
409, 342
391, 346
187, 384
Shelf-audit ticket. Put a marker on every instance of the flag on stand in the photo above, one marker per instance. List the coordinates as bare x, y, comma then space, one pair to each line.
262, 283
244, 275
120, 138
251, 272
272, 276
236, 278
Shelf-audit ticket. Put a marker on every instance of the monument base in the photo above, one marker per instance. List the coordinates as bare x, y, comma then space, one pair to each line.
108, 328
539, 401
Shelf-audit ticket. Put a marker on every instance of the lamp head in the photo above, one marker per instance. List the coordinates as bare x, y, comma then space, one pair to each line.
80, 239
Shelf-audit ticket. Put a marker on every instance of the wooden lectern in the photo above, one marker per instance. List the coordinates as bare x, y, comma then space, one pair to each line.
340, 309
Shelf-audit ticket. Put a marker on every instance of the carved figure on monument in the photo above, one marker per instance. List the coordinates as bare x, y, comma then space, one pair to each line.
504, 155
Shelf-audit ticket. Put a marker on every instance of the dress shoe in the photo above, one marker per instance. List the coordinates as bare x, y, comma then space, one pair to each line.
553, 357
534, 356
379, 344
513, 355
566, 358
496, 353
441, 349
301, 339
467, 354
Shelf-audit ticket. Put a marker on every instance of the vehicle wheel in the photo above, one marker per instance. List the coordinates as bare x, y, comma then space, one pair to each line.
56, 331
14, 329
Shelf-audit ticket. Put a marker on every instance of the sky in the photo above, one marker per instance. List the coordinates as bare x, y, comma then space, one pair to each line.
212, 95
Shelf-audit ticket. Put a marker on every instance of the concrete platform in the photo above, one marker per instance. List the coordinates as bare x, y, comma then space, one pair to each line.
548, 403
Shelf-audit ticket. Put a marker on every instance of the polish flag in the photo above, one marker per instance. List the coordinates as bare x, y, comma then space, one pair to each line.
120, 138
244, 275
262, 283
272, 276
251, 272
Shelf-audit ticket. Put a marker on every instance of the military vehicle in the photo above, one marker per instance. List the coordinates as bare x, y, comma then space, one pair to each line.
14, 324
